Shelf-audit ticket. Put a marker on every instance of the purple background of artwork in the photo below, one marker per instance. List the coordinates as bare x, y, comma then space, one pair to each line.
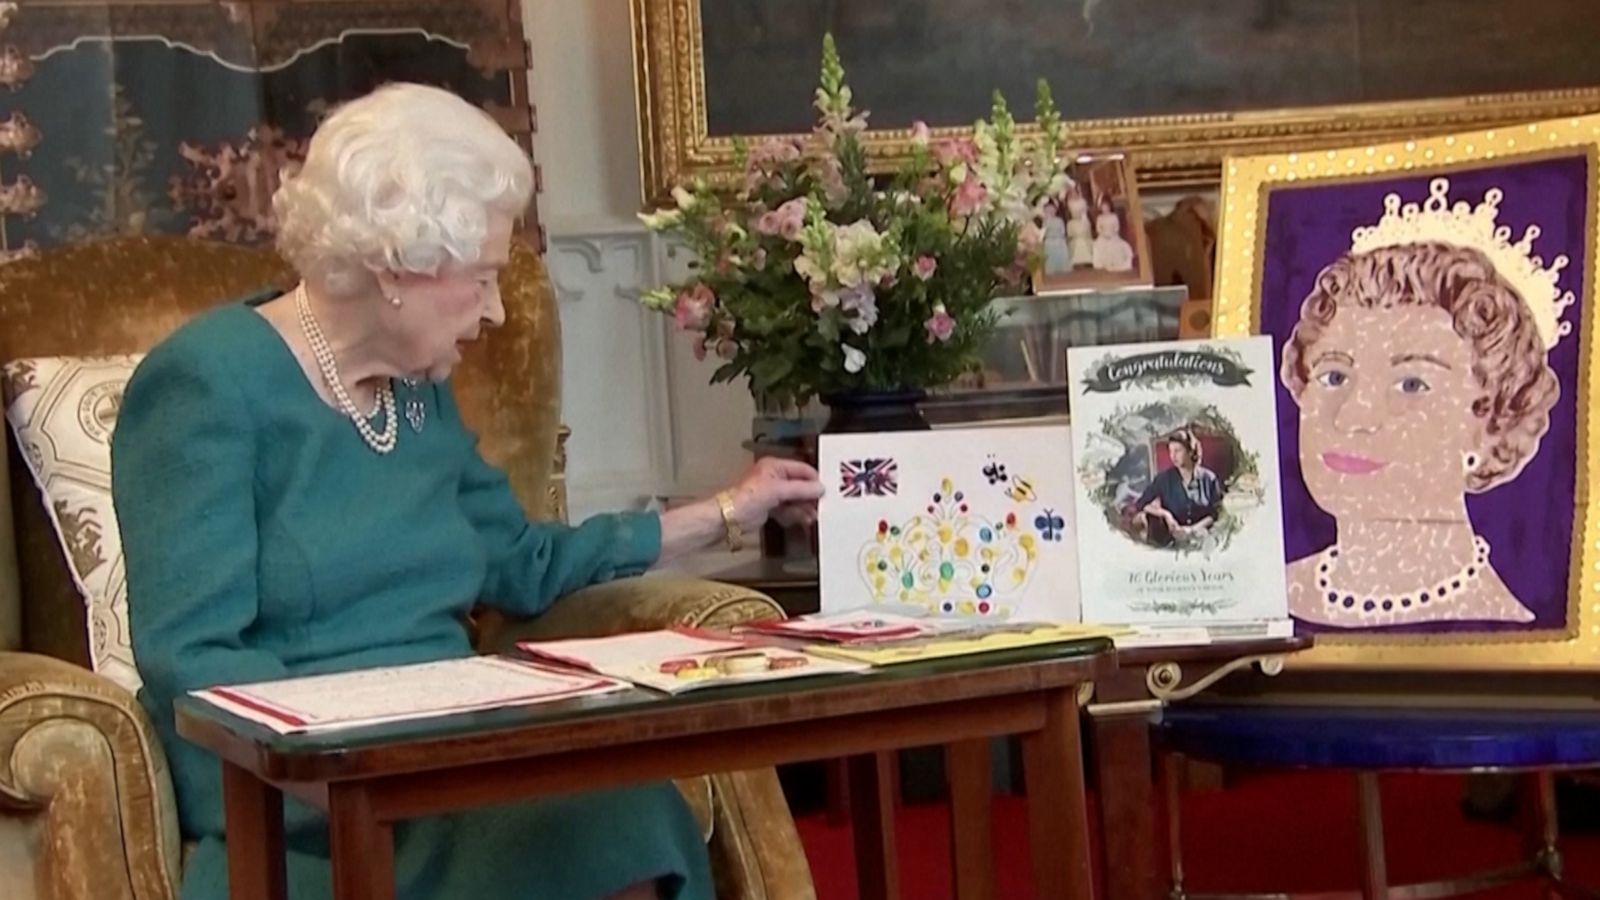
1528, 521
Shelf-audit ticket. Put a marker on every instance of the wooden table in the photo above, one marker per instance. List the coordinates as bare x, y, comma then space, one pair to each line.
1124, 705
368, 779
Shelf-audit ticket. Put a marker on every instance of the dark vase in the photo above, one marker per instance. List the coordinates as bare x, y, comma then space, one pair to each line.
859, 411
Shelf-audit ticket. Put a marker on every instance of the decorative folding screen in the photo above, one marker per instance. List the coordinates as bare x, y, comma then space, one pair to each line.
177, 116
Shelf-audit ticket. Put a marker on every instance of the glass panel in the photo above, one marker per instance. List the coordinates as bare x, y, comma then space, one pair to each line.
1024, 373
177, 118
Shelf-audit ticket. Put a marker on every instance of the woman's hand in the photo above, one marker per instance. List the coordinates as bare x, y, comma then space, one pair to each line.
783, 490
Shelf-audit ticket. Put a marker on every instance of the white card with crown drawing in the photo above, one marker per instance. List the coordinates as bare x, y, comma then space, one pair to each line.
972, 522
1178, 496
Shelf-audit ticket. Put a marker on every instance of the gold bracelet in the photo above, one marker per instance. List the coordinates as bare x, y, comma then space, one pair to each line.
729, 524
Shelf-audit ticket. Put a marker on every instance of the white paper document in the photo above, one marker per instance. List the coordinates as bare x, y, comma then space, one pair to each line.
398, 693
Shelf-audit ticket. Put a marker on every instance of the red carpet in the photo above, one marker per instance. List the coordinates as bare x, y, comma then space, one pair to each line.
1278, 832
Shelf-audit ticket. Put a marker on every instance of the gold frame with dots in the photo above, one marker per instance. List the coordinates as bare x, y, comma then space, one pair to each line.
1247, 183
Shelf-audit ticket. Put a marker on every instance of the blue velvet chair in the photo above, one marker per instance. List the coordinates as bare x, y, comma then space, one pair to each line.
1370, 741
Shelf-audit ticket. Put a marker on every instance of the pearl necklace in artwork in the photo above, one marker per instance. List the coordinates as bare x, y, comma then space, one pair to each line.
381, 442
1425, 596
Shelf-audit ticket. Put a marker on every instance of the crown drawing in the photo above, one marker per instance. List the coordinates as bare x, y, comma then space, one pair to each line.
950, 559
1464, 225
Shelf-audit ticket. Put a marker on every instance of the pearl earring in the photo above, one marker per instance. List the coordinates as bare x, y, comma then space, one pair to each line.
395, 301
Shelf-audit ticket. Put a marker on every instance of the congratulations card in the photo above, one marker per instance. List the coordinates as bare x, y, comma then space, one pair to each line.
968, 522
1179, 500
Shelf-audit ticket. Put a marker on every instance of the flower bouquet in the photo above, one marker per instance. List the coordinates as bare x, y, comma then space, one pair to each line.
817, 277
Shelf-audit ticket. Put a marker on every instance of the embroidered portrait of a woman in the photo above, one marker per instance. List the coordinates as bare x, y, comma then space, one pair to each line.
1432, 338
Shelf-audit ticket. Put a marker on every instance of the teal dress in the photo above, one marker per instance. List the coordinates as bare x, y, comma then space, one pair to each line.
264, 539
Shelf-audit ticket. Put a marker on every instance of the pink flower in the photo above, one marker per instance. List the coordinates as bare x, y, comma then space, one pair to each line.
698, 346
940, 326
774, 152
834, 189
693, 309
919, 133
924, 267
786, 221
726, 348
957, 150
968, 198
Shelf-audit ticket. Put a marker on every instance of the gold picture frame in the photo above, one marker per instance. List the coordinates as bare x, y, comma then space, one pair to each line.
1282, 216
1069, 261
1170, 150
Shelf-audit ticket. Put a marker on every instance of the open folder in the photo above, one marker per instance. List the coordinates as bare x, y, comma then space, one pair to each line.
681, 659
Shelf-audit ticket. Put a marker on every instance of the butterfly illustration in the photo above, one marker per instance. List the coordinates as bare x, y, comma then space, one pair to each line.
1021, 490
869, 478
1050, 525
994, 471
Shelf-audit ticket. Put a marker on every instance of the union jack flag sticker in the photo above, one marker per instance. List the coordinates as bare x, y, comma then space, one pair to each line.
869, 478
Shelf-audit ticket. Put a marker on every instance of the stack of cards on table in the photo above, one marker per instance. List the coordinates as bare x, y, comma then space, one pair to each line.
398, 693
881, 638
677, 660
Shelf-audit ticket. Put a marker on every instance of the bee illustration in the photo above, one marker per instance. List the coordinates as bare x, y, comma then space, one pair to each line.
1021, 490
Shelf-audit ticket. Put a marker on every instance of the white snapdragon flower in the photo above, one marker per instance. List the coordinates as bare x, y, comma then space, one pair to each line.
853, 359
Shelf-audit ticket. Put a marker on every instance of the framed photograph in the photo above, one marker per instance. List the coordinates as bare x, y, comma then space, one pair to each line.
1177, 485
1430, 303
1094, 237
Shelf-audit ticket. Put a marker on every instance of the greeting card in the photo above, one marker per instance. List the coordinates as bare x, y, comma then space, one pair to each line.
1179, 499
965, 522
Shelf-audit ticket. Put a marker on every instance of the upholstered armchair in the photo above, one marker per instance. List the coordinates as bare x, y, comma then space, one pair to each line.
86, 806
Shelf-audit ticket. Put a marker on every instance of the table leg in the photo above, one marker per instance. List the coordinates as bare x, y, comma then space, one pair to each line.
253, 815
362, 846
971, 837
1125, 786
1375, 876
1058, 814
872, 823
836, 780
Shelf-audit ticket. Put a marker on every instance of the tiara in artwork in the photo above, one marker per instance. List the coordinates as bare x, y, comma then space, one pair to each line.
950, 559
1464, 225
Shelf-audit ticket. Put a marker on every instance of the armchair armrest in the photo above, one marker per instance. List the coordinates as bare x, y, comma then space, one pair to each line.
636, 604
86, 807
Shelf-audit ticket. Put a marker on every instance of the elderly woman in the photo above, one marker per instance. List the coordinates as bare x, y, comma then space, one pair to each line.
279, 522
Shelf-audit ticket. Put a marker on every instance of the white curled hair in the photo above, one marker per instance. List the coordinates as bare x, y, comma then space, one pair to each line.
403, 180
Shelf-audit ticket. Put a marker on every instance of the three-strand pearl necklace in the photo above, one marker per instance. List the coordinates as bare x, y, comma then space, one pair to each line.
382, 442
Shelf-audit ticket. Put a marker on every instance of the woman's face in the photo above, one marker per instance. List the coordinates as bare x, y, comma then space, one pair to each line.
1180, 454
1386, 414
440, 314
